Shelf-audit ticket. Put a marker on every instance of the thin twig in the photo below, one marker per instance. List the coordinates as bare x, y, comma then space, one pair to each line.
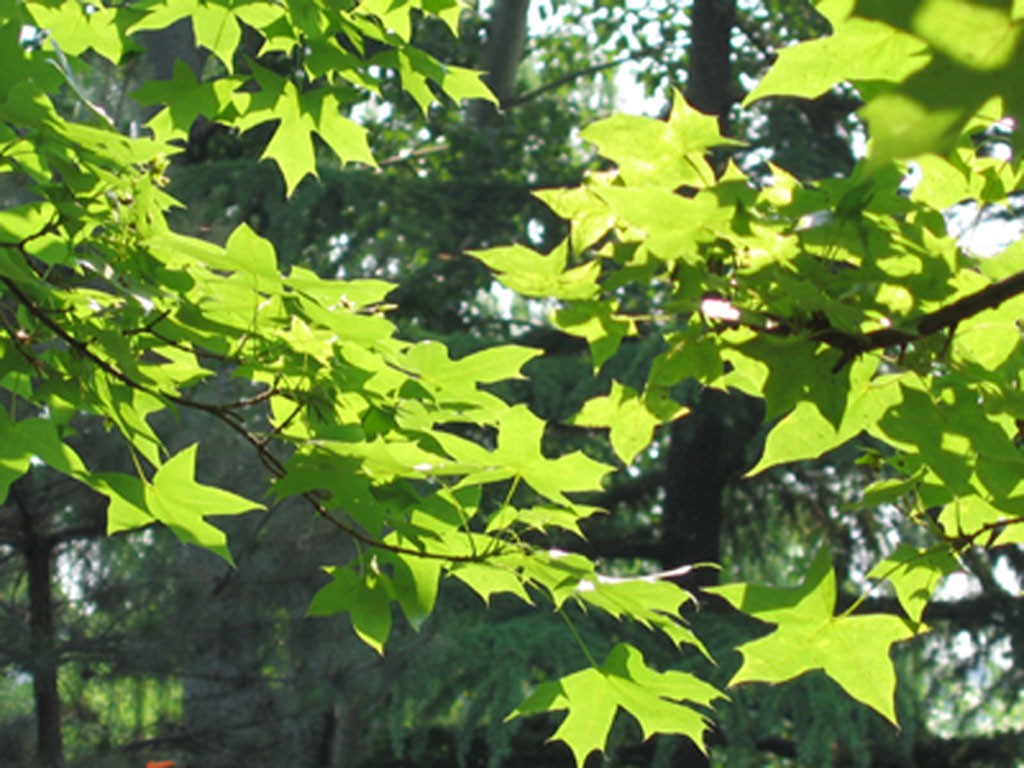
569, 77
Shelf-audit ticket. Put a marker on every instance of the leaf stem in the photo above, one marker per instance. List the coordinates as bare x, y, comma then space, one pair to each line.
579, 638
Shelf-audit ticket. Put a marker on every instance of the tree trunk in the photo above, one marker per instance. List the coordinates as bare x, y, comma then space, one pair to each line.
506, 36
706, 450
38, 553
703, 451
709, 75
163, 49
228, 711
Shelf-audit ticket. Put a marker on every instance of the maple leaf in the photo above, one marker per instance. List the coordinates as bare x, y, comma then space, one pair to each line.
852, 650
593, 696
518, 454
299, 115
179, 502
914, 574
630, 417
978, 55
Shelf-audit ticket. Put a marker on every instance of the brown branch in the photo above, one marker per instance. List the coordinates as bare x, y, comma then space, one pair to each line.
150, 328
947, 317
83, 349
989, 297
245, 402
284, 424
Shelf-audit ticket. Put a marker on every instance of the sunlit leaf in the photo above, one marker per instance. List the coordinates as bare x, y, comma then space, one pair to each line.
852, 650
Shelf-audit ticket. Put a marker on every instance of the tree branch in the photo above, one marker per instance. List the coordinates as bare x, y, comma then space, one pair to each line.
570, 77
225, 415
941, 319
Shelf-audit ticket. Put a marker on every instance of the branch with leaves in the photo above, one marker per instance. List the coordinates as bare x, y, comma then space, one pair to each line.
107, 311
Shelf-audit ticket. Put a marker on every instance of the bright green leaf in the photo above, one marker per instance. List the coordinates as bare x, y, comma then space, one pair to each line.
366, 597
179, 502
852, 650
914, 574
631, 417
662, 702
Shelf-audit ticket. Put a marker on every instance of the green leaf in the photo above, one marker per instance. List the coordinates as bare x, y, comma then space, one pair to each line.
852, 650
559, 573
252, 255
128, 509
990, 338
858, 49
366, 598
414, 583
663, 154
976, 34
524, 270
159, 14
914, 574
347, 139
77, 28
456, 382
650, 600
216, 29
518, 454
394, 16
128, 410
460, 83
631, 417
973, 516
542, 518
689, 353
298, 116
22, 442
492, 576
805, 433
672, 224
661, 702
448, 11
414, 82
14, 459
589, 215
887, 490
355, 294
598, 323
348, 488
179, 502
978, 56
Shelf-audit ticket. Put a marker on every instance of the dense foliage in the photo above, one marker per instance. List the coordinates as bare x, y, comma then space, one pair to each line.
843, 304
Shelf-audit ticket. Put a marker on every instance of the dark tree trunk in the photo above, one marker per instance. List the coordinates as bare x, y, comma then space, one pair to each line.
163, 49
703, 451
324, 753
506, 35
693, 488
38, 552
707, 449
709, 75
